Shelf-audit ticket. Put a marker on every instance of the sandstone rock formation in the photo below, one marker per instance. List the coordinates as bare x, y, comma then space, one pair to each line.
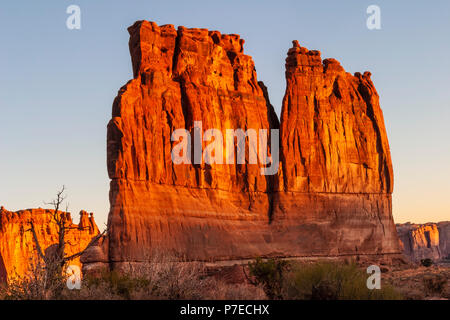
421, 241
337, 178
444, 239
331, 195
18, 249
95, 259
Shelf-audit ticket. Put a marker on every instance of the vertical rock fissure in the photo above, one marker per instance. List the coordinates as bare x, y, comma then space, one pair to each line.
382, 167
271, 180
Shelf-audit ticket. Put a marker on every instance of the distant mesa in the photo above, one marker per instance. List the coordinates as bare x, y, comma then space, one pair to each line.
425, 241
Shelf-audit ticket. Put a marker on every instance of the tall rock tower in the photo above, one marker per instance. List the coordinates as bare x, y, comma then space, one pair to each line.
331, 195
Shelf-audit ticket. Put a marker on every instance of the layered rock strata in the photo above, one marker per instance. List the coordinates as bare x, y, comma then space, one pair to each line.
330, 196
425, 241
18, 253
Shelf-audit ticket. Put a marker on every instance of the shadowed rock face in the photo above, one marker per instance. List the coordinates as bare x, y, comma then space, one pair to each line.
331, 195
17, 247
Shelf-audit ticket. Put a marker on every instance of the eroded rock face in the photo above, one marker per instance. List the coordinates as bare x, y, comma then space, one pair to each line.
444, 239
18, 249
421, 241
333, 133
336, 179
331, 195
181, 77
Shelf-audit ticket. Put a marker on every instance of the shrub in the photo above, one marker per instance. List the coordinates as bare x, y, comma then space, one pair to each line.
161, 277
332, 281
38, 284
426, 262
269, 275
118, 284
435, 284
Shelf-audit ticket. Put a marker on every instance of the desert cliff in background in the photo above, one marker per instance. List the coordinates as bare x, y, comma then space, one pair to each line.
18, 252
330, 197
422, 241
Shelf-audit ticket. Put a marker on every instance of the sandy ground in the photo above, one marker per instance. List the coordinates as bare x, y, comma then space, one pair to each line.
418, 282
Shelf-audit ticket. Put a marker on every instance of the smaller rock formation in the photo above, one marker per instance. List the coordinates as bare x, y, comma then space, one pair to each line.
95, 259
18, 249
425, 241
444, 239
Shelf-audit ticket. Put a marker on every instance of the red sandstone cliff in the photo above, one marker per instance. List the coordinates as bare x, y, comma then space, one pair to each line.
331, 196
421, 241
333, 133
181, 77
17, 247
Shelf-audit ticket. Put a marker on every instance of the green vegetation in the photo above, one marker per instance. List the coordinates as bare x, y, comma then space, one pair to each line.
160, 278
164, 277
270, 275
333, 281
316, 281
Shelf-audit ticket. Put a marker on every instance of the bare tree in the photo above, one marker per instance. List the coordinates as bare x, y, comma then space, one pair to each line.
55, 260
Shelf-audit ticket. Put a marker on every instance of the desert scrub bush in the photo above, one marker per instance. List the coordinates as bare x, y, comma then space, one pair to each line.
117, 286
426, 262
160, 277
268, 274
37, 284
114, 285
172, 278
332, 281
435, 284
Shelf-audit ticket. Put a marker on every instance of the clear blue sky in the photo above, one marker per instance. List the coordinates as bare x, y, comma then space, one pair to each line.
57, 85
